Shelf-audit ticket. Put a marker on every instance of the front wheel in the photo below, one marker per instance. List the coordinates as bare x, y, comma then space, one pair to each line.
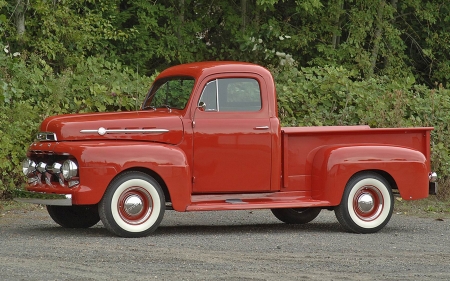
366, 205
133, 205
74, 216
296, 215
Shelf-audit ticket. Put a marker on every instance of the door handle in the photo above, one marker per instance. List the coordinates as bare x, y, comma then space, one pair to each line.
261, 128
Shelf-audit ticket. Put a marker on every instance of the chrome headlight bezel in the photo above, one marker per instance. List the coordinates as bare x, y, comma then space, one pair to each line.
69, 170
41, 167
28, 166
55, 168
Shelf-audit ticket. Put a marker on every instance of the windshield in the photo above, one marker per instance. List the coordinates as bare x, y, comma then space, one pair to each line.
172, 92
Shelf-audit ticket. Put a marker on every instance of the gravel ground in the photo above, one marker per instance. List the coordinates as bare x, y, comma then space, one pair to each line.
228, 245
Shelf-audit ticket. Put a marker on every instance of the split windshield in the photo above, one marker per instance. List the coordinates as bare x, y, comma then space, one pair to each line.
172, 92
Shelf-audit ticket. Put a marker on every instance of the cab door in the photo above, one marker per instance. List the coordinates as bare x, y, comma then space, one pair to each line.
232, 139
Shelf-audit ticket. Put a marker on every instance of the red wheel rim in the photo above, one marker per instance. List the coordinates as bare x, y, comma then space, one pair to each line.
368, 203
135, 205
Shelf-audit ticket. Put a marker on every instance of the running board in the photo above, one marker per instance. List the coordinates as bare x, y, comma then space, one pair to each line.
249, 201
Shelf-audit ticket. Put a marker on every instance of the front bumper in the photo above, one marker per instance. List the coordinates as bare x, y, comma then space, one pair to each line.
43, 198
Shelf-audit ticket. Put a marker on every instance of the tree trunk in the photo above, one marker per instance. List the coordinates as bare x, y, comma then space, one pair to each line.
337, 24
243, 14
19, 14
181, 19
377, 37
387, 62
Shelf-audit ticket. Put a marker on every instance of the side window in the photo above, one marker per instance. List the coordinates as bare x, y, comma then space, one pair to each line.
239, 94
209, 96
232, 95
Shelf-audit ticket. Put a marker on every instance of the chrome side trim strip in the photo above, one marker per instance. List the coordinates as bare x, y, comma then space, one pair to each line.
43, 198
262, 128
102, 131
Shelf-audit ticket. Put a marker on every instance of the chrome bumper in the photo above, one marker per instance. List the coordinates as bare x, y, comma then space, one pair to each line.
43, 198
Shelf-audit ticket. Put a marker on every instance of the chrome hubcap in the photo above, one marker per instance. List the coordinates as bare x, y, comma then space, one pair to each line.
133, 205
365, 203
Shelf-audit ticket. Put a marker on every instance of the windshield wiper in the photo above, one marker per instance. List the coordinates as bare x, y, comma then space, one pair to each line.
149, 106
167, 106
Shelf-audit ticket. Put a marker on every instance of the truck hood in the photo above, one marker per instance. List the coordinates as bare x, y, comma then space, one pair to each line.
165, 127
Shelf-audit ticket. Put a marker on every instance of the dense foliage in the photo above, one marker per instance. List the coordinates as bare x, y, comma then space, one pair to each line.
338, 62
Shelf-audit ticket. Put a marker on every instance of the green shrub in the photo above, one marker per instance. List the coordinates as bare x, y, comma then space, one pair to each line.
30, 91
17, 124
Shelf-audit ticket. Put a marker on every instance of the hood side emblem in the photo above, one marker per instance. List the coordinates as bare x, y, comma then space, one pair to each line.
101, 131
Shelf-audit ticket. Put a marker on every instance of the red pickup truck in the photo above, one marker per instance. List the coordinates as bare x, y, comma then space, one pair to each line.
208, 138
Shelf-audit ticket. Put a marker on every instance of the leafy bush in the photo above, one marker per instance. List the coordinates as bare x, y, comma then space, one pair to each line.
31, 91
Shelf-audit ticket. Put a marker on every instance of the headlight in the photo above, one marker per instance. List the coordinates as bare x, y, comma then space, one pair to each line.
55, 168
41, 167
28, 166
69, 169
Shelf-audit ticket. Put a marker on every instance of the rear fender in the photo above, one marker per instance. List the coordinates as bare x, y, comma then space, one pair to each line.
99, 164
333, 166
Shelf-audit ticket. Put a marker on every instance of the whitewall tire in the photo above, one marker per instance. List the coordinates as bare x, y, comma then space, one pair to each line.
367, 203
133, 205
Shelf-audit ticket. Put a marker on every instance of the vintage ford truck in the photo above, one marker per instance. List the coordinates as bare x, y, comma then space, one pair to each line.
208, 138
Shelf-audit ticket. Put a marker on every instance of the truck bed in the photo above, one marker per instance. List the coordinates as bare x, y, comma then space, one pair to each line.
301, 147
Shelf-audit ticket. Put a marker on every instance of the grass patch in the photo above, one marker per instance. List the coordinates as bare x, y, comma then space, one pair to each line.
430, 207
11, 205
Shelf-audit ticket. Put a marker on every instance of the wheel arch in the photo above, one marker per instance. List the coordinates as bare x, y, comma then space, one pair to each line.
403, 169
167, 164
172, 187
384, 174
388, 177
152, 174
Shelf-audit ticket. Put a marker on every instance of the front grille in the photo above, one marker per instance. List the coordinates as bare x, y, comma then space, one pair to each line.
43, 175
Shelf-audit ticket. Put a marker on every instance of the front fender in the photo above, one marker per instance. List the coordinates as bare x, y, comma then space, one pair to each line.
99, 163
333, 166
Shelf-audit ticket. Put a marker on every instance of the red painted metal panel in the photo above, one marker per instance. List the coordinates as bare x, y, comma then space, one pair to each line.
307, 167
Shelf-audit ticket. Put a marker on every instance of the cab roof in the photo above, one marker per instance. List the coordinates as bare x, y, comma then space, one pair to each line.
198, 69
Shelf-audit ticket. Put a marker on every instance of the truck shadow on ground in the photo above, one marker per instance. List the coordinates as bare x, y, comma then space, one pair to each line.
202, 229
247, 228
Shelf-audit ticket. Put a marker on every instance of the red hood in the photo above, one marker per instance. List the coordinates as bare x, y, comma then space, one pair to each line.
163, 127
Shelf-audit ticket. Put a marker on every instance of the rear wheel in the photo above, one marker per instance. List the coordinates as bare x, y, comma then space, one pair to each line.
366, 205
296, 215
74, 216
133, 205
